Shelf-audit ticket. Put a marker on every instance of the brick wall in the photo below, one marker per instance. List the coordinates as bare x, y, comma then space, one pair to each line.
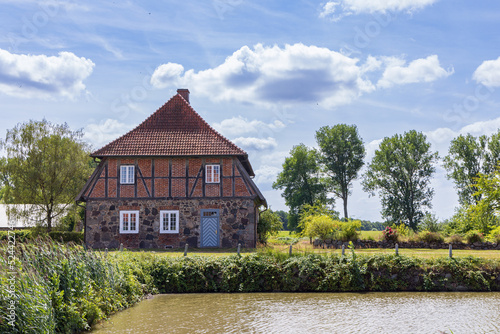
169, 178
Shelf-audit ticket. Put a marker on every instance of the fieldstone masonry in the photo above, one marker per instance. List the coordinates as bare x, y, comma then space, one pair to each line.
237, 223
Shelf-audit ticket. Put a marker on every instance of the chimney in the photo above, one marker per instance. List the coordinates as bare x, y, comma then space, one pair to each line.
184, 93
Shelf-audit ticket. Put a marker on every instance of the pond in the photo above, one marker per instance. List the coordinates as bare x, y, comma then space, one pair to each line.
311, 312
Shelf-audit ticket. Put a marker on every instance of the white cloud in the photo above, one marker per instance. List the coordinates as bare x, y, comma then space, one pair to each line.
257, 144
270, 75
239, 125
338, 9
266, 174
41, 76
102, 133
488, 73
420, 70
166, 74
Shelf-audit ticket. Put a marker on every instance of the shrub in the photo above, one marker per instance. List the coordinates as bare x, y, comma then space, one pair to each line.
474, 236
269, 224
18, 235
349, 230
494, 235
390, 234
64, 236
320, 226
430, 237
456, 238
430, 223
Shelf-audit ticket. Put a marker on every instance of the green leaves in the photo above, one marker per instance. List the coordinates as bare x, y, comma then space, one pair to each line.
401, 171
46, 166
342, 154
301, 180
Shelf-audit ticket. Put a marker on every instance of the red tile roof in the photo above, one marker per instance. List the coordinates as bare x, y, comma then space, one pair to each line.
175, 129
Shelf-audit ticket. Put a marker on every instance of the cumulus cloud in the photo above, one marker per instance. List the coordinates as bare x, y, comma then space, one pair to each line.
488, 73
240, 125
270, 75
41, 76
267, 174
166, 75
338, 9
420, 70
100, 134
257, 144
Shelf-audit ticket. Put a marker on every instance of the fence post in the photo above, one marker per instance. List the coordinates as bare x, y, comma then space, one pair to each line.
106, 252
397, 249
451, 251
121, 247
239, 246
343, 249
186, 250
290, 251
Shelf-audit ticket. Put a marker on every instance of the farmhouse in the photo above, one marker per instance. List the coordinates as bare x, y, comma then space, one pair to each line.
170, 181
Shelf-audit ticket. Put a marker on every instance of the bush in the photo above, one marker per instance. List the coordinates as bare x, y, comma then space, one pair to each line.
76, 237
390, 234
456, 238
430, 223
349, 230
269, 224
494, 235
320, 226
430, 237
474, 236
18, 235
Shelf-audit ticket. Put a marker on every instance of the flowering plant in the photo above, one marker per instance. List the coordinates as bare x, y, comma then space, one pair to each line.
390, 234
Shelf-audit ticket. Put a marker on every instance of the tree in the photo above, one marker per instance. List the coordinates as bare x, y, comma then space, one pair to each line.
401, 170
467, 157
269, 224
47, 165
301, 181
284, 218
342, 153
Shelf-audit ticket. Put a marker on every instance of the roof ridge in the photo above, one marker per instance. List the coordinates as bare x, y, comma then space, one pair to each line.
173, 129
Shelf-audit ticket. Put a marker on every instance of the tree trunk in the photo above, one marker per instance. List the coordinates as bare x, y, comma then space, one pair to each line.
49, 220
345, 208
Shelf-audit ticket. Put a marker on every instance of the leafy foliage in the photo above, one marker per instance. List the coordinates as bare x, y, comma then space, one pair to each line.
390, 234
342, 154
47, 165
467, 158
349, 230
320, 226
430, 237
474, 236
401, 171
430, 223
269, 224
301, 182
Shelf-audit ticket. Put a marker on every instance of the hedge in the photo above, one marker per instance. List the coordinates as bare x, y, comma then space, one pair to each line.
25, 235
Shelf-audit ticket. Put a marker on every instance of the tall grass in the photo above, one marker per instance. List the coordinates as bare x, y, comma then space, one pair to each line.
64, 288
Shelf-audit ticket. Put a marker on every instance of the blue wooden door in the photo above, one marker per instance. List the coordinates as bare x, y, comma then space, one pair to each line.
209, 228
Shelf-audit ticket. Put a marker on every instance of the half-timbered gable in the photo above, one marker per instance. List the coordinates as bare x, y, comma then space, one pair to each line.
170, 181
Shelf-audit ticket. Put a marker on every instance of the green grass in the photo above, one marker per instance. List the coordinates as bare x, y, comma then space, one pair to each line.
374, 234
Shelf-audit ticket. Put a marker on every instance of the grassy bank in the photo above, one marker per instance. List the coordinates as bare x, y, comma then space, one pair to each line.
66, 289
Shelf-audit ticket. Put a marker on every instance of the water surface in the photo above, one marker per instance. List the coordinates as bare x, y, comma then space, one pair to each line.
311, 313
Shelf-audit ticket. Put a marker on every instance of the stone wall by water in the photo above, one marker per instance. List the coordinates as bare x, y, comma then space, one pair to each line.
237, 222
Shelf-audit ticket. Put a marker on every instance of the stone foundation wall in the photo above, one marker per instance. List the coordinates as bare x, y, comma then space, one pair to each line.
237, 223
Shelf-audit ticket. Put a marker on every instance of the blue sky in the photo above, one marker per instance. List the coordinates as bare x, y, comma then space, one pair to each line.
266, 74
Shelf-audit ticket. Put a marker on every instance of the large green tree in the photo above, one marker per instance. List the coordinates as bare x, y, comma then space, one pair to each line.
301, 181
47, 165
467, 157
342, 153
401, 171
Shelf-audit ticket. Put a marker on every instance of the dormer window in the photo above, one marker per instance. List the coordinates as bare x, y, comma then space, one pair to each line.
212, 173
127, 174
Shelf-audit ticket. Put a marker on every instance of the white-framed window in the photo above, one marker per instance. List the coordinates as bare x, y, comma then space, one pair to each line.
127, 174
169, 221
212, 173
129, 221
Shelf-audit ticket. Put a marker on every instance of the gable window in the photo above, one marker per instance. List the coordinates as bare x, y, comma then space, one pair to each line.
212, 173
129, 221
127, 174
169, 221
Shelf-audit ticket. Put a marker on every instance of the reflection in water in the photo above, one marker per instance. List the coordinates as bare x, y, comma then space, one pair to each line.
311, 312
